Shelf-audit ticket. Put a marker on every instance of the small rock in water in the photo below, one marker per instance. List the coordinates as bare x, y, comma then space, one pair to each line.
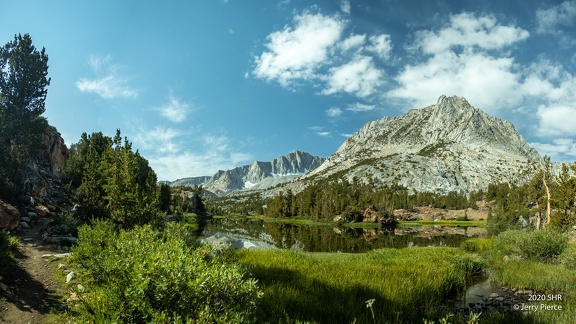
494, 295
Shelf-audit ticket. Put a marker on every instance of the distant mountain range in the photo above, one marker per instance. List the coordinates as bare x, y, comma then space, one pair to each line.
258, 175
448, 146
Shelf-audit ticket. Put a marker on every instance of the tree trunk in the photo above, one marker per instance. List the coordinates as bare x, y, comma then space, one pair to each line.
547, 199
539, 218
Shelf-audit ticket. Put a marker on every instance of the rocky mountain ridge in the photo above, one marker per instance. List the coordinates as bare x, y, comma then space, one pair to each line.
448, 146
257, 175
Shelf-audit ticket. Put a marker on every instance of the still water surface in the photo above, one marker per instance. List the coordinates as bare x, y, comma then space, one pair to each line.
331, 238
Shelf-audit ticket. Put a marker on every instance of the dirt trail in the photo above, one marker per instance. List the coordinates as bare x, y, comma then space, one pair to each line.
29, 291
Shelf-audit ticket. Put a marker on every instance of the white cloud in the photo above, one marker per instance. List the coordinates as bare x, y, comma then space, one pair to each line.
315, 51
345, 6
466, 30
559, 150
319, 130
562, 15
381, 45
161, 140
557, 120
467, 58
358, 107
359, 77
174, 110
165, 150
353, 42
296, 53
191, 164
316, 128
107, 84
488, 82
334, 112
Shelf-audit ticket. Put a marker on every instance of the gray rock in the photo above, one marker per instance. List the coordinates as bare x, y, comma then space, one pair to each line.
25, 219
60, 239
70, 276
56, 256
32, 214
24, 225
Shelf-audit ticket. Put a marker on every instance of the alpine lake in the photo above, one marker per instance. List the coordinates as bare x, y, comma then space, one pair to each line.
310, 236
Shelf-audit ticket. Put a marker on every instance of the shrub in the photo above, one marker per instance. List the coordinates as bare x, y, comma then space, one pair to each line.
143, 275
568, 257
8, 246
65, 223
543, 245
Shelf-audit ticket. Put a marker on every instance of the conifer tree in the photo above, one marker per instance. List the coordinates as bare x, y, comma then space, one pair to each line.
23, 89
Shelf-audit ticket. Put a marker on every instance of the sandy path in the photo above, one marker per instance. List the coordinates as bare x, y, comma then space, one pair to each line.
29, 290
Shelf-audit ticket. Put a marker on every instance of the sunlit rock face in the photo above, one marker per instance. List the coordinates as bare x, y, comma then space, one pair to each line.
448, 146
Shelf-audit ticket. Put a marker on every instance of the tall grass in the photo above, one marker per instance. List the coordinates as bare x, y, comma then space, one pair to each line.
406, 284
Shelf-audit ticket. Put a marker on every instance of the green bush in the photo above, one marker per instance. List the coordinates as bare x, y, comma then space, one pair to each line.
544, 245
8, 246
65, 223
143, 275
568, 257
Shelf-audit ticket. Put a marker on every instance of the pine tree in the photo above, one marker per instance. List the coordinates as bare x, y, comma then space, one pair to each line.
23, 83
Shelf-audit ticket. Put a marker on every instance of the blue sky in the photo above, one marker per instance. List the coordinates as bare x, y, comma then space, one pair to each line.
199, 86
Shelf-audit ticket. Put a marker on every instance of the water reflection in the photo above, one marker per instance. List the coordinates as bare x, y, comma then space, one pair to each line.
324, 238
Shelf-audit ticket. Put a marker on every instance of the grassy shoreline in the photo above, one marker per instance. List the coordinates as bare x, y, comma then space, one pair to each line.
304, 221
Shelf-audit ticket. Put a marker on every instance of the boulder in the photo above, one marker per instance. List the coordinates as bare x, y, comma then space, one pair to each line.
9, 216
371, 215
42, 211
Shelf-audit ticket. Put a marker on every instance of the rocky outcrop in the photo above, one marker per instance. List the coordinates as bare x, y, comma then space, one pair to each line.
56, 151
9, 216
45, 172
258, 175
369, 215
448, 146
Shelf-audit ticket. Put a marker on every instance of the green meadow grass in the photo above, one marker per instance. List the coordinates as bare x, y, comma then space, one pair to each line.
407, 285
